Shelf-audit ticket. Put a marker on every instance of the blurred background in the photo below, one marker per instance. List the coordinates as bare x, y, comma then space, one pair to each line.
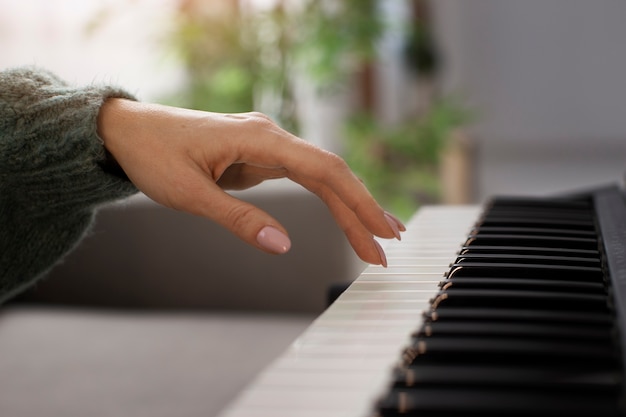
360, 78
430, 102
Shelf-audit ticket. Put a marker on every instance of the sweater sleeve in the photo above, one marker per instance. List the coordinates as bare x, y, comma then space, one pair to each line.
53, 171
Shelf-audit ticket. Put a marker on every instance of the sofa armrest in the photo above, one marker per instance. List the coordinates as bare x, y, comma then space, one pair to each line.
143, 255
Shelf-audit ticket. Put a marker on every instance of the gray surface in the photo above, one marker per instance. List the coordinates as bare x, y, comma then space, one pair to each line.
159, 313
78, 363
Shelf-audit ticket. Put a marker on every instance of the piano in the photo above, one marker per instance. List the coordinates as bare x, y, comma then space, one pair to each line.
512, 308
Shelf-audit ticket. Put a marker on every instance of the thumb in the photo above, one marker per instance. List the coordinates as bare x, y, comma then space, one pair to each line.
250, 223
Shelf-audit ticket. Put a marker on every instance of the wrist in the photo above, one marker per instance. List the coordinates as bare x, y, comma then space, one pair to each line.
110, 131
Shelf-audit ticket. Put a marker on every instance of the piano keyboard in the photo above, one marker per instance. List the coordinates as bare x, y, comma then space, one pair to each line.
506, 310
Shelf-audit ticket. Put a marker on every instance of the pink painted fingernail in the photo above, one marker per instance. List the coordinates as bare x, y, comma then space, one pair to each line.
401, 226
273, 240
381, 253
394, 226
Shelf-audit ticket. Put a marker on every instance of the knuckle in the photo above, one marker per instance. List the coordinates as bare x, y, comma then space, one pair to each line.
259, 119
185, 198
265, 126
335, 161
334, 165
239, 217
258, 115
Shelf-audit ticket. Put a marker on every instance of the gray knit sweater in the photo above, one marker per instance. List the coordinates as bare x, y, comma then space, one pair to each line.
53, 171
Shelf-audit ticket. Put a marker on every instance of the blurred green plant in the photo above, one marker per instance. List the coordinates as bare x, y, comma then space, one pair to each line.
235, 59
400, 163
334, 39
221, 66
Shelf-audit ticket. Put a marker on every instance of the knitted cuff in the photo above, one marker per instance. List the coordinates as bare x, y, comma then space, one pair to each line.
54, 171
50, 148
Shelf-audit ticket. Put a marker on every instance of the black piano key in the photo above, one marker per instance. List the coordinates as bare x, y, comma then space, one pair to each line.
528, 250
520, 315
517, 213
506, 350
483, 328
539, 205
534, 241
469, 401
575, 378
524, 323
532, 231
507, 221
528, 271
540, 300
545, 203
525, 213
530, 259
562, 285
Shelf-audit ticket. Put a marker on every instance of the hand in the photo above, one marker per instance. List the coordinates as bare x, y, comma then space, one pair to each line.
185, 159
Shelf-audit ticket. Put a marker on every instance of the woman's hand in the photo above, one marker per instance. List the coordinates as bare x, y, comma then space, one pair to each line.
184, 159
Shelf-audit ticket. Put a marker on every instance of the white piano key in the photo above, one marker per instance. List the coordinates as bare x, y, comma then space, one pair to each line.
313, 399
342, 363
394, 270
338, 365
394, 285
437, 259
356, 329
380, 275
280, 378
307, 403
432, 279
364, 351
412, 295
240, 412
361, 334
405, 252
362, 337
286, 413
382, 306
357, 316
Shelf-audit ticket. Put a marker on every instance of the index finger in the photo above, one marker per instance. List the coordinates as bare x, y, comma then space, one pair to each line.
307, 163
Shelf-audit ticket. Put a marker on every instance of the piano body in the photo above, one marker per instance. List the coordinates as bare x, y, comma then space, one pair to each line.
515, 308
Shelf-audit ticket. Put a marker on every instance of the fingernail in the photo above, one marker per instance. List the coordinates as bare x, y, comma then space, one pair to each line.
381, 253
394, 225
401, 226
273, 240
